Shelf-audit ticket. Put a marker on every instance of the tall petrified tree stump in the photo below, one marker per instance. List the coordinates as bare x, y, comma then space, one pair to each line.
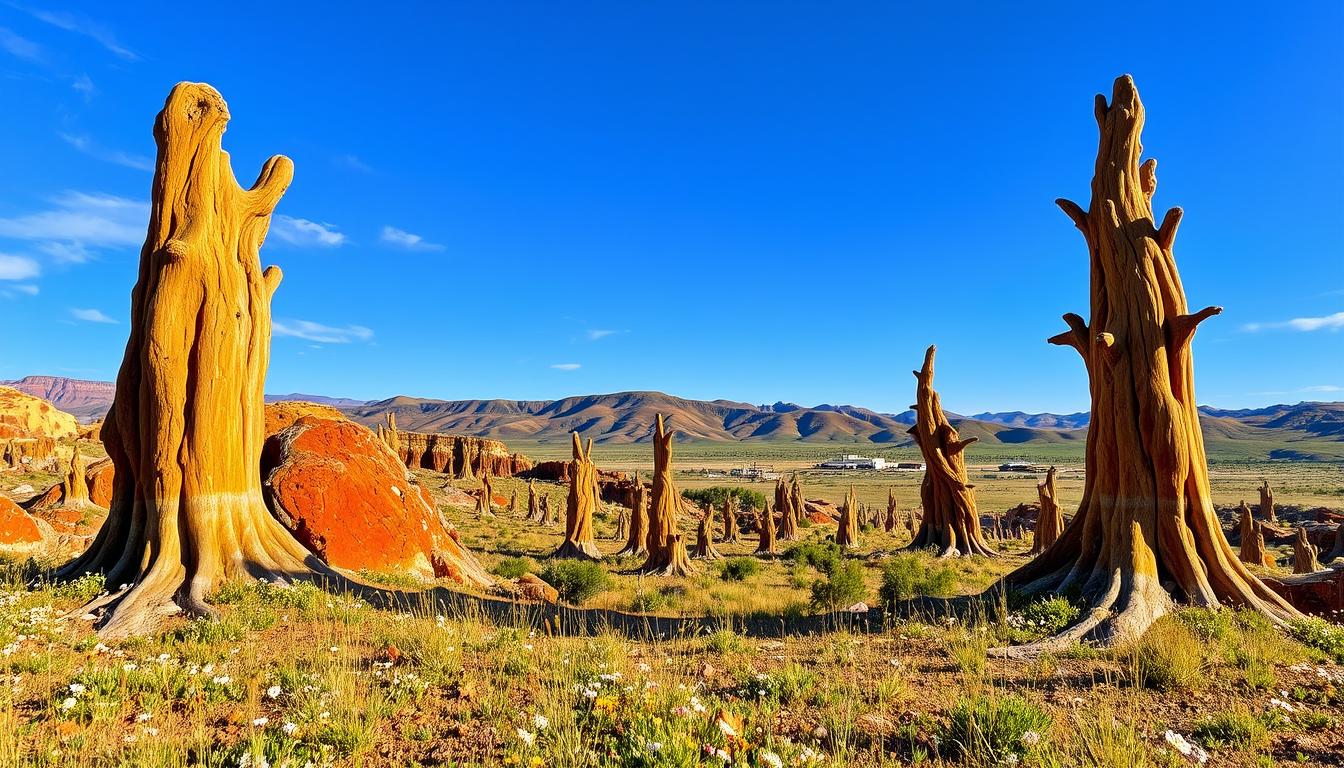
1146, 518
76, 484
637, 539
1304, 554
547, 518
889, 522
667, 552
186, 425
513, 502
1253, 550
765, 526
1050, 520
847, 531
788, 516
485, 500
730, 532
951, 523
704, 538
1267, 503
579, 540
533, 504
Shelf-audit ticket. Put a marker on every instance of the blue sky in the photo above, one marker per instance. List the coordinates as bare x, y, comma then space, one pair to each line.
758, 202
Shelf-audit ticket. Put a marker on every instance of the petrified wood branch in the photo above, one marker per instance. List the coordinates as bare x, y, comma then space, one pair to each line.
1146, 518
579, 540
951, 524
667, 552
1050, 520
186, 425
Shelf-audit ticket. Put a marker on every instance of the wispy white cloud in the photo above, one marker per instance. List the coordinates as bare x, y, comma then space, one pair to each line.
19, 47
1328, 322
306, 234
566, 366
83, 25
596, 333
1317, 389
18, 267
408, 240
317, 332
84, 86
79, 221
90, 316
352, 162
26, 289
115, 156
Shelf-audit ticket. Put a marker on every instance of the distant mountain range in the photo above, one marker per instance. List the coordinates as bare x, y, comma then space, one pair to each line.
1277, 431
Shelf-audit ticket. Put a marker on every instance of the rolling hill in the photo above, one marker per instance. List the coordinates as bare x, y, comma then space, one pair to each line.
1301, 431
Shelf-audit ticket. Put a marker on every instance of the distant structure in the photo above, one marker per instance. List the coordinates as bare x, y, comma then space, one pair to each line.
909, 466
853, 461
754, 472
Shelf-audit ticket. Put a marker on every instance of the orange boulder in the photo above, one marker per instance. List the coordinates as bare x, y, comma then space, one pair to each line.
283, 414
99, 478
20, 533
531, 587
346, 497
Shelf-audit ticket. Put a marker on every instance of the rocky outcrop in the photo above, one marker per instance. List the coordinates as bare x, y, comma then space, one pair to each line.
283, 414
80, 398
461, 456
21, 534
29, 454
1320, 593
346, 497
99, 478
22, 415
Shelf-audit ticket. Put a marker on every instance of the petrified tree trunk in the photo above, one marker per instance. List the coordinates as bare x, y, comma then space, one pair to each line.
622, 524
704, 538
546, 517
636, 542
390, 435
579, 540
1304, 553
951, 523
76, 485
533, 506
847, 534
186, 425
788, 517
1267, 502
1146, 518
730, 532
483, 502
1050, 520
667, 552
1253, 543
513, 502
765, 526
889, 523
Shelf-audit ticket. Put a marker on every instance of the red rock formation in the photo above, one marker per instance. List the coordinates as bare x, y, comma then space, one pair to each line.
284, 413
31, 453
460, 456
343, 495
22, 415
99, 478
21, 534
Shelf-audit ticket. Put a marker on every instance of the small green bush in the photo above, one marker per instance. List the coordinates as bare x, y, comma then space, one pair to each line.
783, 686
514, 567
739, 568
1237, 728
648, 602
576, 580
909, 575
726, 641
995, 729
1169, 657
1321, 635
822, 555
842, 587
